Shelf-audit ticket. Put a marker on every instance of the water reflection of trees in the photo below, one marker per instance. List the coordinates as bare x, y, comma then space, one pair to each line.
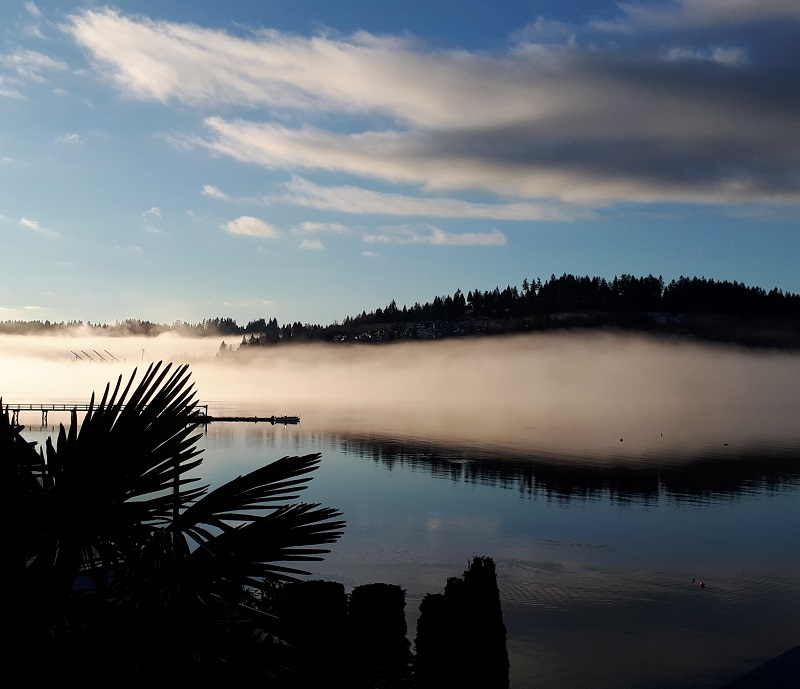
710, 475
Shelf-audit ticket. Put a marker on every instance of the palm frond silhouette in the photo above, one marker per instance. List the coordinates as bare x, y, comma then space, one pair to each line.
115, 557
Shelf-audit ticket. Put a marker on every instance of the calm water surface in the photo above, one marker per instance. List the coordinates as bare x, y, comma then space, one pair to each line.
599, 562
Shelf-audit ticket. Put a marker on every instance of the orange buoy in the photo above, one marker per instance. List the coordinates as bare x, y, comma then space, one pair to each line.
702, 584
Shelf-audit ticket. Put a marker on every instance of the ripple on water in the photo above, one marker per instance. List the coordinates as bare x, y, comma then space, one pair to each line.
563, 585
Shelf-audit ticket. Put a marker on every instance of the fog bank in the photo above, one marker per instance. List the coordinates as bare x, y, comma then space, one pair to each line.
589, 393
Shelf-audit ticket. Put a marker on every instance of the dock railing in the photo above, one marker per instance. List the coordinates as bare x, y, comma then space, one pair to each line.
44, 407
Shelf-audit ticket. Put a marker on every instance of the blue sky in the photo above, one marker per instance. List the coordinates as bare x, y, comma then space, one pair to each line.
306, 160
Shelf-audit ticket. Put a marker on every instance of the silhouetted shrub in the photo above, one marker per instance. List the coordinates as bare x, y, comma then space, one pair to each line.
313, 614
377, 628
461, 638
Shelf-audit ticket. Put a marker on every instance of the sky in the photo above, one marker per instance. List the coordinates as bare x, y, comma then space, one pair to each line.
306, 160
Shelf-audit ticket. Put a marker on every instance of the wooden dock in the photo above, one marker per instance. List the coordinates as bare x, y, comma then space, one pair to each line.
44, 408
203, 418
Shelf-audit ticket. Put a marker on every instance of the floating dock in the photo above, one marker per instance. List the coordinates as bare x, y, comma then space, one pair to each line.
204, 419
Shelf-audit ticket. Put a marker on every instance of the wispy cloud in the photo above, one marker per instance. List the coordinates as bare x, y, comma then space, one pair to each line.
350, 199
71, 139
545, 31
30, 64
150, 213
328, 227
721, 55
556, 119
249, 303
214, 193
39, 229
249, 226
32, 9
8, 89
312, 245
436, 237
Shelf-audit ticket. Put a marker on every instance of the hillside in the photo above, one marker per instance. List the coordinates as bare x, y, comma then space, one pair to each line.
687, 307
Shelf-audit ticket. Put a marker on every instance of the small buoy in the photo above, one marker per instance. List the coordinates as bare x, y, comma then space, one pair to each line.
620, 439
693, 580
702, 584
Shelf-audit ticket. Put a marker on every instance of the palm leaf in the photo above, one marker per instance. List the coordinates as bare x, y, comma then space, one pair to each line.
130, 453
280, 480
234, 542
111, 500
251, 552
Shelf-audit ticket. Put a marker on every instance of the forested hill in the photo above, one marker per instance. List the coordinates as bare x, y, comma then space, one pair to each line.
688, 307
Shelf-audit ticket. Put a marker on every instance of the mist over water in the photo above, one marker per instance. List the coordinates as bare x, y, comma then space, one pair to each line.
595, 394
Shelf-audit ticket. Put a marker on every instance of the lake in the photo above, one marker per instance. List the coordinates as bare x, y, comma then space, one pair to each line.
606, 491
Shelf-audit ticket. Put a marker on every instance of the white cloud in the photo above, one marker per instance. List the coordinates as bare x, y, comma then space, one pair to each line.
32, 8
436, 237
251, 227
36, 227
164, 61
379, 154
350, 199
154, 212
547, 121
493, 238
312, 245
607, 141
369, 254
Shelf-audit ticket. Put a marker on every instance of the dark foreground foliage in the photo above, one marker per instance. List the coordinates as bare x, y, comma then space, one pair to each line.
117, 566
359, 641
461, 638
